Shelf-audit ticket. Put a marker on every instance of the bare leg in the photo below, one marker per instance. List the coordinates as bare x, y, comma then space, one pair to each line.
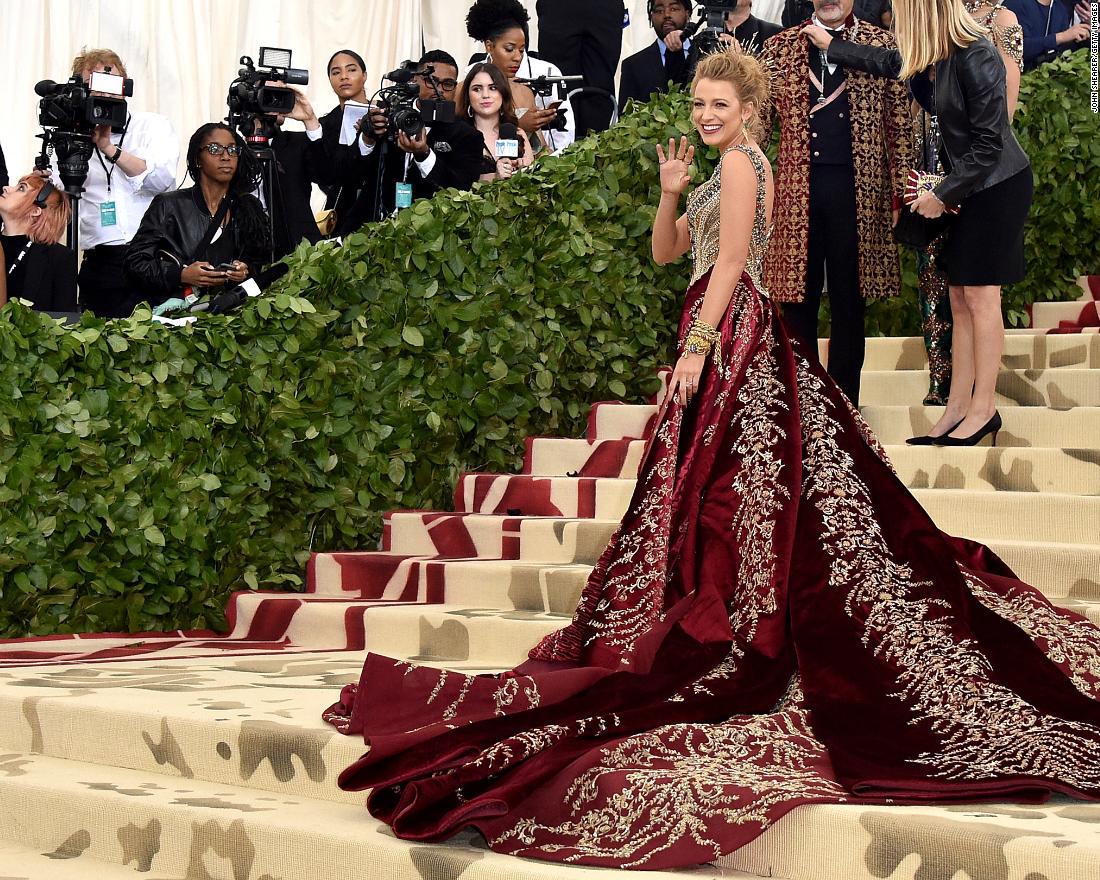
987, 325
962, 365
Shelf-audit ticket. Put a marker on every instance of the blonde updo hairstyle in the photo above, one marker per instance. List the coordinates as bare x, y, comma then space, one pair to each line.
744, 73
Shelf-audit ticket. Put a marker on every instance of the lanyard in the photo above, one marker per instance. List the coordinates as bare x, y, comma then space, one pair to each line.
109, 171
19, 259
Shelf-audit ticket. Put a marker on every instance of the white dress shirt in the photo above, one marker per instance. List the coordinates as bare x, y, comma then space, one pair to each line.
150, 137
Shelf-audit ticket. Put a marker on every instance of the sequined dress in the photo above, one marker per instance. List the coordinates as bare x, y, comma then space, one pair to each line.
776, 622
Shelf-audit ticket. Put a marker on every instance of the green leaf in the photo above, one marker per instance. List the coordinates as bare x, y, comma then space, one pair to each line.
154, 536
412, 336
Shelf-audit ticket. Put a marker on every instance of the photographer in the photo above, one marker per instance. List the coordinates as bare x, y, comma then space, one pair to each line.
128, 169
208, 235
663, 61
34, 214
394, 168
300, 160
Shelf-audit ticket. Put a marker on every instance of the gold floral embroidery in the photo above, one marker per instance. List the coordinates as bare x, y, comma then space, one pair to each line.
986, 731
682, 781
882, 147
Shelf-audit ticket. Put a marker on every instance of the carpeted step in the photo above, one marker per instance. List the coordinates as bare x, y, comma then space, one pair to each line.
1077, 428
1001, 468
65, 862
1013, 468
1011, 514
1059, 840
1065, 573
246, 722
1018, 516
1049, 315
1068, 558
500, 583
481, 636
614, 421
1021, 352
167, 828
1060, 389
559, 456
531, 538
520, 494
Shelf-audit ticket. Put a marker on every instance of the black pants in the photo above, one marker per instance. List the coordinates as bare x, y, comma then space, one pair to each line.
104, 290
584, 37
833, 253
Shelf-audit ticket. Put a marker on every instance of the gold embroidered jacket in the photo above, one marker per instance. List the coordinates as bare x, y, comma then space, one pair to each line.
882, 145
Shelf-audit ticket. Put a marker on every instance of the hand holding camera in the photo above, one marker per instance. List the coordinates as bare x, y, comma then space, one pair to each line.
373, 126
416, 144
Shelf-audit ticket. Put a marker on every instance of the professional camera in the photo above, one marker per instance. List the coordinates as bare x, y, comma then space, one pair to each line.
402, 105
544, 86
704, 40
251, 98
69, 113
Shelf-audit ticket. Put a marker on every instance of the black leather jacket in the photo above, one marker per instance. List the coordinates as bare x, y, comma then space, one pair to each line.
977, 146
168, 239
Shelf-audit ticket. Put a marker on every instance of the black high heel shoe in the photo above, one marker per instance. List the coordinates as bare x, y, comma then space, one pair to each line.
993, 426
929, 440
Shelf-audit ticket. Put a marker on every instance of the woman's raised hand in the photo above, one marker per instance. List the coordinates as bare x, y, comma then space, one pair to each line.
675, 166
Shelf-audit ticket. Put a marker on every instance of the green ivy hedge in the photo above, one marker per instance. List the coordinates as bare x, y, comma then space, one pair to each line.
147, 471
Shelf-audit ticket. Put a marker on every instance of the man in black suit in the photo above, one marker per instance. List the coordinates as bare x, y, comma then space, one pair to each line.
749, 31
442, 155
654, 67
300, 161
584, 37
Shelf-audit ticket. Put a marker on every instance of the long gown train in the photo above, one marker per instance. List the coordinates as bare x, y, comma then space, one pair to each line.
776, 622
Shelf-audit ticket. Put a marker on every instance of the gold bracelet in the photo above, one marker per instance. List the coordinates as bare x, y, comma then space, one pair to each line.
700, 338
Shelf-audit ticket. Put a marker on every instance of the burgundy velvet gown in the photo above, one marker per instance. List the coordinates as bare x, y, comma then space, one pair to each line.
776, 622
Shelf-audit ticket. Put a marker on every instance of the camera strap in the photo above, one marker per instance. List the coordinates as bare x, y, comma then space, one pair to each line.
109, 171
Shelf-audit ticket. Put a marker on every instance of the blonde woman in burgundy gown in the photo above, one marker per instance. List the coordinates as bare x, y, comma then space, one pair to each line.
776, 621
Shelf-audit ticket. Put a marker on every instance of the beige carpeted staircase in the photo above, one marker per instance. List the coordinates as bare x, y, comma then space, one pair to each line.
188, 755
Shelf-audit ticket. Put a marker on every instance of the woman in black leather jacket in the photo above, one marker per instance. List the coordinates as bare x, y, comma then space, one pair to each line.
959, 76
206, 236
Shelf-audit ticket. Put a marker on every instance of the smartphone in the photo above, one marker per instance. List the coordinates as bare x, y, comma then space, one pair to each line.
224, 267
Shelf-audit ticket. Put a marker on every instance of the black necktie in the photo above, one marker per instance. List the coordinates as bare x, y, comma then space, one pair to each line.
676, 66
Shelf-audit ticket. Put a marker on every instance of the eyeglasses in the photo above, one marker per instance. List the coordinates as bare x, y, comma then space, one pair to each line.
447, 85
218, 149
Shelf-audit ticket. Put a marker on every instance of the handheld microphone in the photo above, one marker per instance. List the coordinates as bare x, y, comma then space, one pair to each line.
230, 299
509, 145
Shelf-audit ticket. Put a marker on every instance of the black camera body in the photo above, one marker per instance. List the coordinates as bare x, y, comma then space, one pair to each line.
404, 110
72, 107
69, 113
250, 97
704, 40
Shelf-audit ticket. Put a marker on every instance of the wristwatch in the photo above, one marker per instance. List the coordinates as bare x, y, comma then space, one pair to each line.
118, 155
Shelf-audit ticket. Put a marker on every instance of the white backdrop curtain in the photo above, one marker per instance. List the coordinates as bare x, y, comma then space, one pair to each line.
182, 54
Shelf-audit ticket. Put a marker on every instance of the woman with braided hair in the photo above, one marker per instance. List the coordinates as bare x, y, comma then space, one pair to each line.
775, 622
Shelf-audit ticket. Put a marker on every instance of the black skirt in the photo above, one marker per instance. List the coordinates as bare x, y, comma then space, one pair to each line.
985, 240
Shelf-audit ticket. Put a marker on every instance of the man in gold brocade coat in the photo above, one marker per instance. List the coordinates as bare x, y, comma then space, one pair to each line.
845, 149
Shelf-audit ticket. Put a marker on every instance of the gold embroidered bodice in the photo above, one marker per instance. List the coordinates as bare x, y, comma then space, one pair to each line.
1009, 40
704, 220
